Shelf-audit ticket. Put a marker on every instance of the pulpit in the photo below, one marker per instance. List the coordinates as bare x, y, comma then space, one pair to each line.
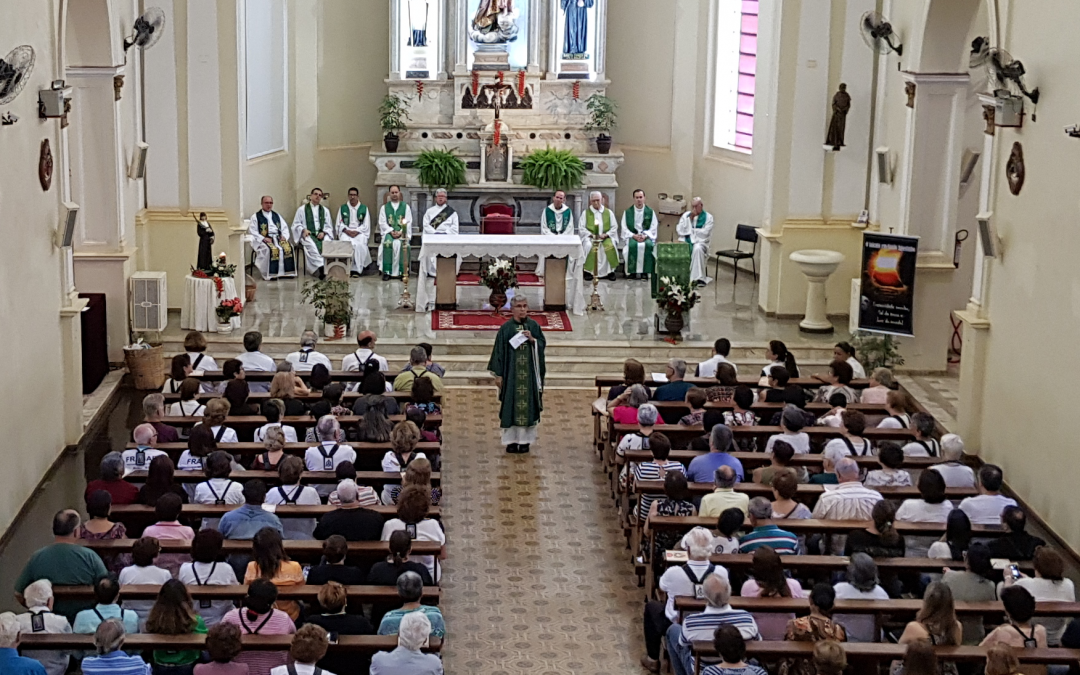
672, 261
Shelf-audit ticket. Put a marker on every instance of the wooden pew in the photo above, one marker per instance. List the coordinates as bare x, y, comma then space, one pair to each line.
807, 494
142, 515
304, 550
266, 376
752, 460
837, 563
689, 605
681, 436
607, 381
369, 478
302, 422
429, 448
366, 594
357, 644
402, 397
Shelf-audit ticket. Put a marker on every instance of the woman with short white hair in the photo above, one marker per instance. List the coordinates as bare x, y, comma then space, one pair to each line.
40, 619
407, 659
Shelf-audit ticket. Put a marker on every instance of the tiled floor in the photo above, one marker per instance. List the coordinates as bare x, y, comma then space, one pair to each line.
538, 580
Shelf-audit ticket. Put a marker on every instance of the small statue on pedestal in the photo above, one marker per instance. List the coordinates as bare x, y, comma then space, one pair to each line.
841, 105
494, 22
206, 242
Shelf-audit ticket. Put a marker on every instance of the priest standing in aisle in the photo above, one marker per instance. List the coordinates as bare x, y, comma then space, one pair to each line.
558, 219
598, 223
639, 227
517, 362
354, 226
395, 225
270, 238
440, 219
312, 225
695, 228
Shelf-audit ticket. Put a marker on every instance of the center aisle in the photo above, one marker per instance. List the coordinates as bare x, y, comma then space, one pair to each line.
538, 579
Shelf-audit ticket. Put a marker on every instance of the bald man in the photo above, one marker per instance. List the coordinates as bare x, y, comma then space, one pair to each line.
139, 457
270, 240
598, 224
695, 228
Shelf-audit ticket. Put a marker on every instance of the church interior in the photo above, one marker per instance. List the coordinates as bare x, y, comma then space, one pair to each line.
842, 182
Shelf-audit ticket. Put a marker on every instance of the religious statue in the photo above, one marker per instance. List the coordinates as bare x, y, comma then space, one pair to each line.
575, 41
418, 21
206, 242
494, 22
841, 104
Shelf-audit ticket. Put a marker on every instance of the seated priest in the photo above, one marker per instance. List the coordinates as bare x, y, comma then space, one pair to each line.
354, 226
313, 225
695, 228
440, 219
639, 226
270, 240
598, 226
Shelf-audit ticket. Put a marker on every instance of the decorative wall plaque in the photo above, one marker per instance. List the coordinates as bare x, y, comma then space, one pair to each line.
45, 166
1014, 169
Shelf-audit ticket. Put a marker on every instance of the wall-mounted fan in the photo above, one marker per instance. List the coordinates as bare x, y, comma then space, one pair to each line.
147, 29
1008, 73
15, 69
879, 35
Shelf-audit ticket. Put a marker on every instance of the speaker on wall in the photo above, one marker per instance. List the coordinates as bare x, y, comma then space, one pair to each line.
66, 232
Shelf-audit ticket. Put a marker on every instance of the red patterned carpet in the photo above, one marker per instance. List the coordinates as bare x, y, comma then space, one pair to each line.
472, 319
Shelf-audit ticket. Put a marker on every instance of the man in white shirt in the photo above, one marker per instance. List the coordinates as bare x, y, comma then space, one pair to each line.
638, 234
696, 627
849, 500
677, 581
291, 491
395, 226
440, 219
721, 349
558, 220
356, 361
953, 470
139, 458
312, 225
354, 226
274, 255
598, 224
328, 453
255, 361
986, 508
40, 619
305, 359
695, 227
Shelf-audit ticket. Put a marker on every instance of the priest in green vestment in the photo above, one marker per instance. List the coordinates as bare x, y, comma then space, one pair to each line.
599, 232
695, 228
517, 362
395, 226
639, 226
558, 220
313, 225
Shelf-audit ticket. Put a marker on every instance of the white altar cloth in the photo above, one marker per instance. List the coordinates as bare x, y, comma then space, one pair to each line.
506, 246
199, 311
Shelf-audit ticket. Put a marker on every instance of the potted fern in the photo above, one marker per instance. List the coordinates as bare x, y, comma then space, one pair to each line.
332, 301
602, 119
551, 170
393, 112
440, 169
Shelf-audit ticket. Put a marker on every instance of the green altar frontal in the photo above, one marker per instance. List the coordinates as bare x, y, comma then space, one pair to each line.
672, 260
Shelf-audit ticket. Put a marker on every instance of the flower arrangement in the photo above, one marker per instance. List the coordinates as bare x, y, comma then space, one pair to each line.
499, 276
675, 298
228, 309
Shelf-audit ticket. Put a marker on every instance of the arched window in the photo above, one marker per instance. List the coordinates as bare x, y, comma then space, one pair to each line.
736, 66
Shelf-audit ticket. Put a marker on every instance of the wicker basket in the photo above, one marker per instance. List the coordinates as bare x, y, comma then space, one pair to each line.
147, 367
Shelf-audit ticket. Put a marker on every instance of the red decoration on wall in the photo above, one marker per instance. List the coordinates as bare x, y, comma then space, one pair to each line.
500, 76
498, 133
521, 84
577, 89
475, 83
420, 89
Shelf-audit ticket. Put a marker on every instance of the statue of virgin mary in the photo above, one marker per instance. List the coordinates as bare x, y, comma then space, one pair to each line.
494, 22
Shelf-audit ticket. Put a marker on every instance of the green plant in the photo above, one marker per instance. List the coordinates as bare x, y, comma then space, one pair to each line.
602, 116
331, 299
550, 169
440, 169
393, 112
877, 351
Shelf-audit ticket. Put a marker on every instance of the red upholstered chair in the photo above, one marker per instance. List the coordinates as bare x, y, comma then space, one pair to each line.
497, 219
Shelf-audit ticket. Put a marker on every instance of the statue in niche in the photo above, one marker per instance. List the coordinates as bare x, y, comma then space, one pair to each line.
576, 39
418, 21
494, 22
841, 105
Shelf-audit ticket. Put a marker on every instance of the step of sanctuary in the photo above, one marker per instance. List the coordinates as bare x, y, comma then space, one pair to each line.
570, 363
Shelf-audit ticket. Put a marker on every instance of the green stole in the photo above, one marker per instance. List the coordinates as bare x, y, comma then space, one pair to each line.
609, 246
309, 218
361, 213
553, 225
395, 218
632, 247
702, 217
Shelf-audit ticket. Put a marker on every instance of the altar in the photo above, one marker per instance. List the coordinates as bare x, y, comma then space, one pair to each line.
563, 284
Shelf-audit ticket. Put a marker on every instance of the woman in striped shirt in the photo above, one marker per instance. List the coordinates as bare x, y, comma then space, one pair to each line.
654, 470
257, 616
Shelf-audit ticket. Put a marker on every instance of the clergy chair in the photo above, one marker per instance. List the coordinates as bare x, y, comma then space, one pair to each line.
743, 233
497, 219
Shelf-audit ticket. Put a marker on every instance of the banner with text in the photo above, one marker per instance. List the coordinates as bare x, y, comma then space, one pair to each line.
888, 283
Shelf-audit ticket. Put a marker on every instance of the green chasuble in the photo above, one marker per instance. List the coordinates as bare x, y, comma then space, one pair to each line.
361, 213
309, 219
633, 248
522, 371
608, 245
552, 219
395, 218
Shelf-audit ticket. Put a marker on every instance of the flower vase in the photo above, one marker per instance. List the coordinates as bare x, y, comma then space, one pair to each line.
674, 322
224, 328
497, 300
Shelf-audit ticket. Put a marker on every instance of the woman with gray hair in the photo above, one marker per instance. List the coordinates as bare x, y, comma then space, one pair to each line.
647, 417
112, 481
862, 584
881, 383
406, 659
625, 406
110, 659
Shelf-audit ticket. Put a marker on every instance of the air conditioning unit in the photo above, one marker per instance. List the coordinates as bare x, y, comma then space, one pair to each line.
149, 302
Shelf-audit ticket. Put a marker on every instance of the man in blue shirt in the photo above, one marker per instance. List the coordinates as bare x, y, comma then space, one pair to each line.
703, 468
675, 389
106, 592
10, 661
246, 521
765, 533
111, 660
